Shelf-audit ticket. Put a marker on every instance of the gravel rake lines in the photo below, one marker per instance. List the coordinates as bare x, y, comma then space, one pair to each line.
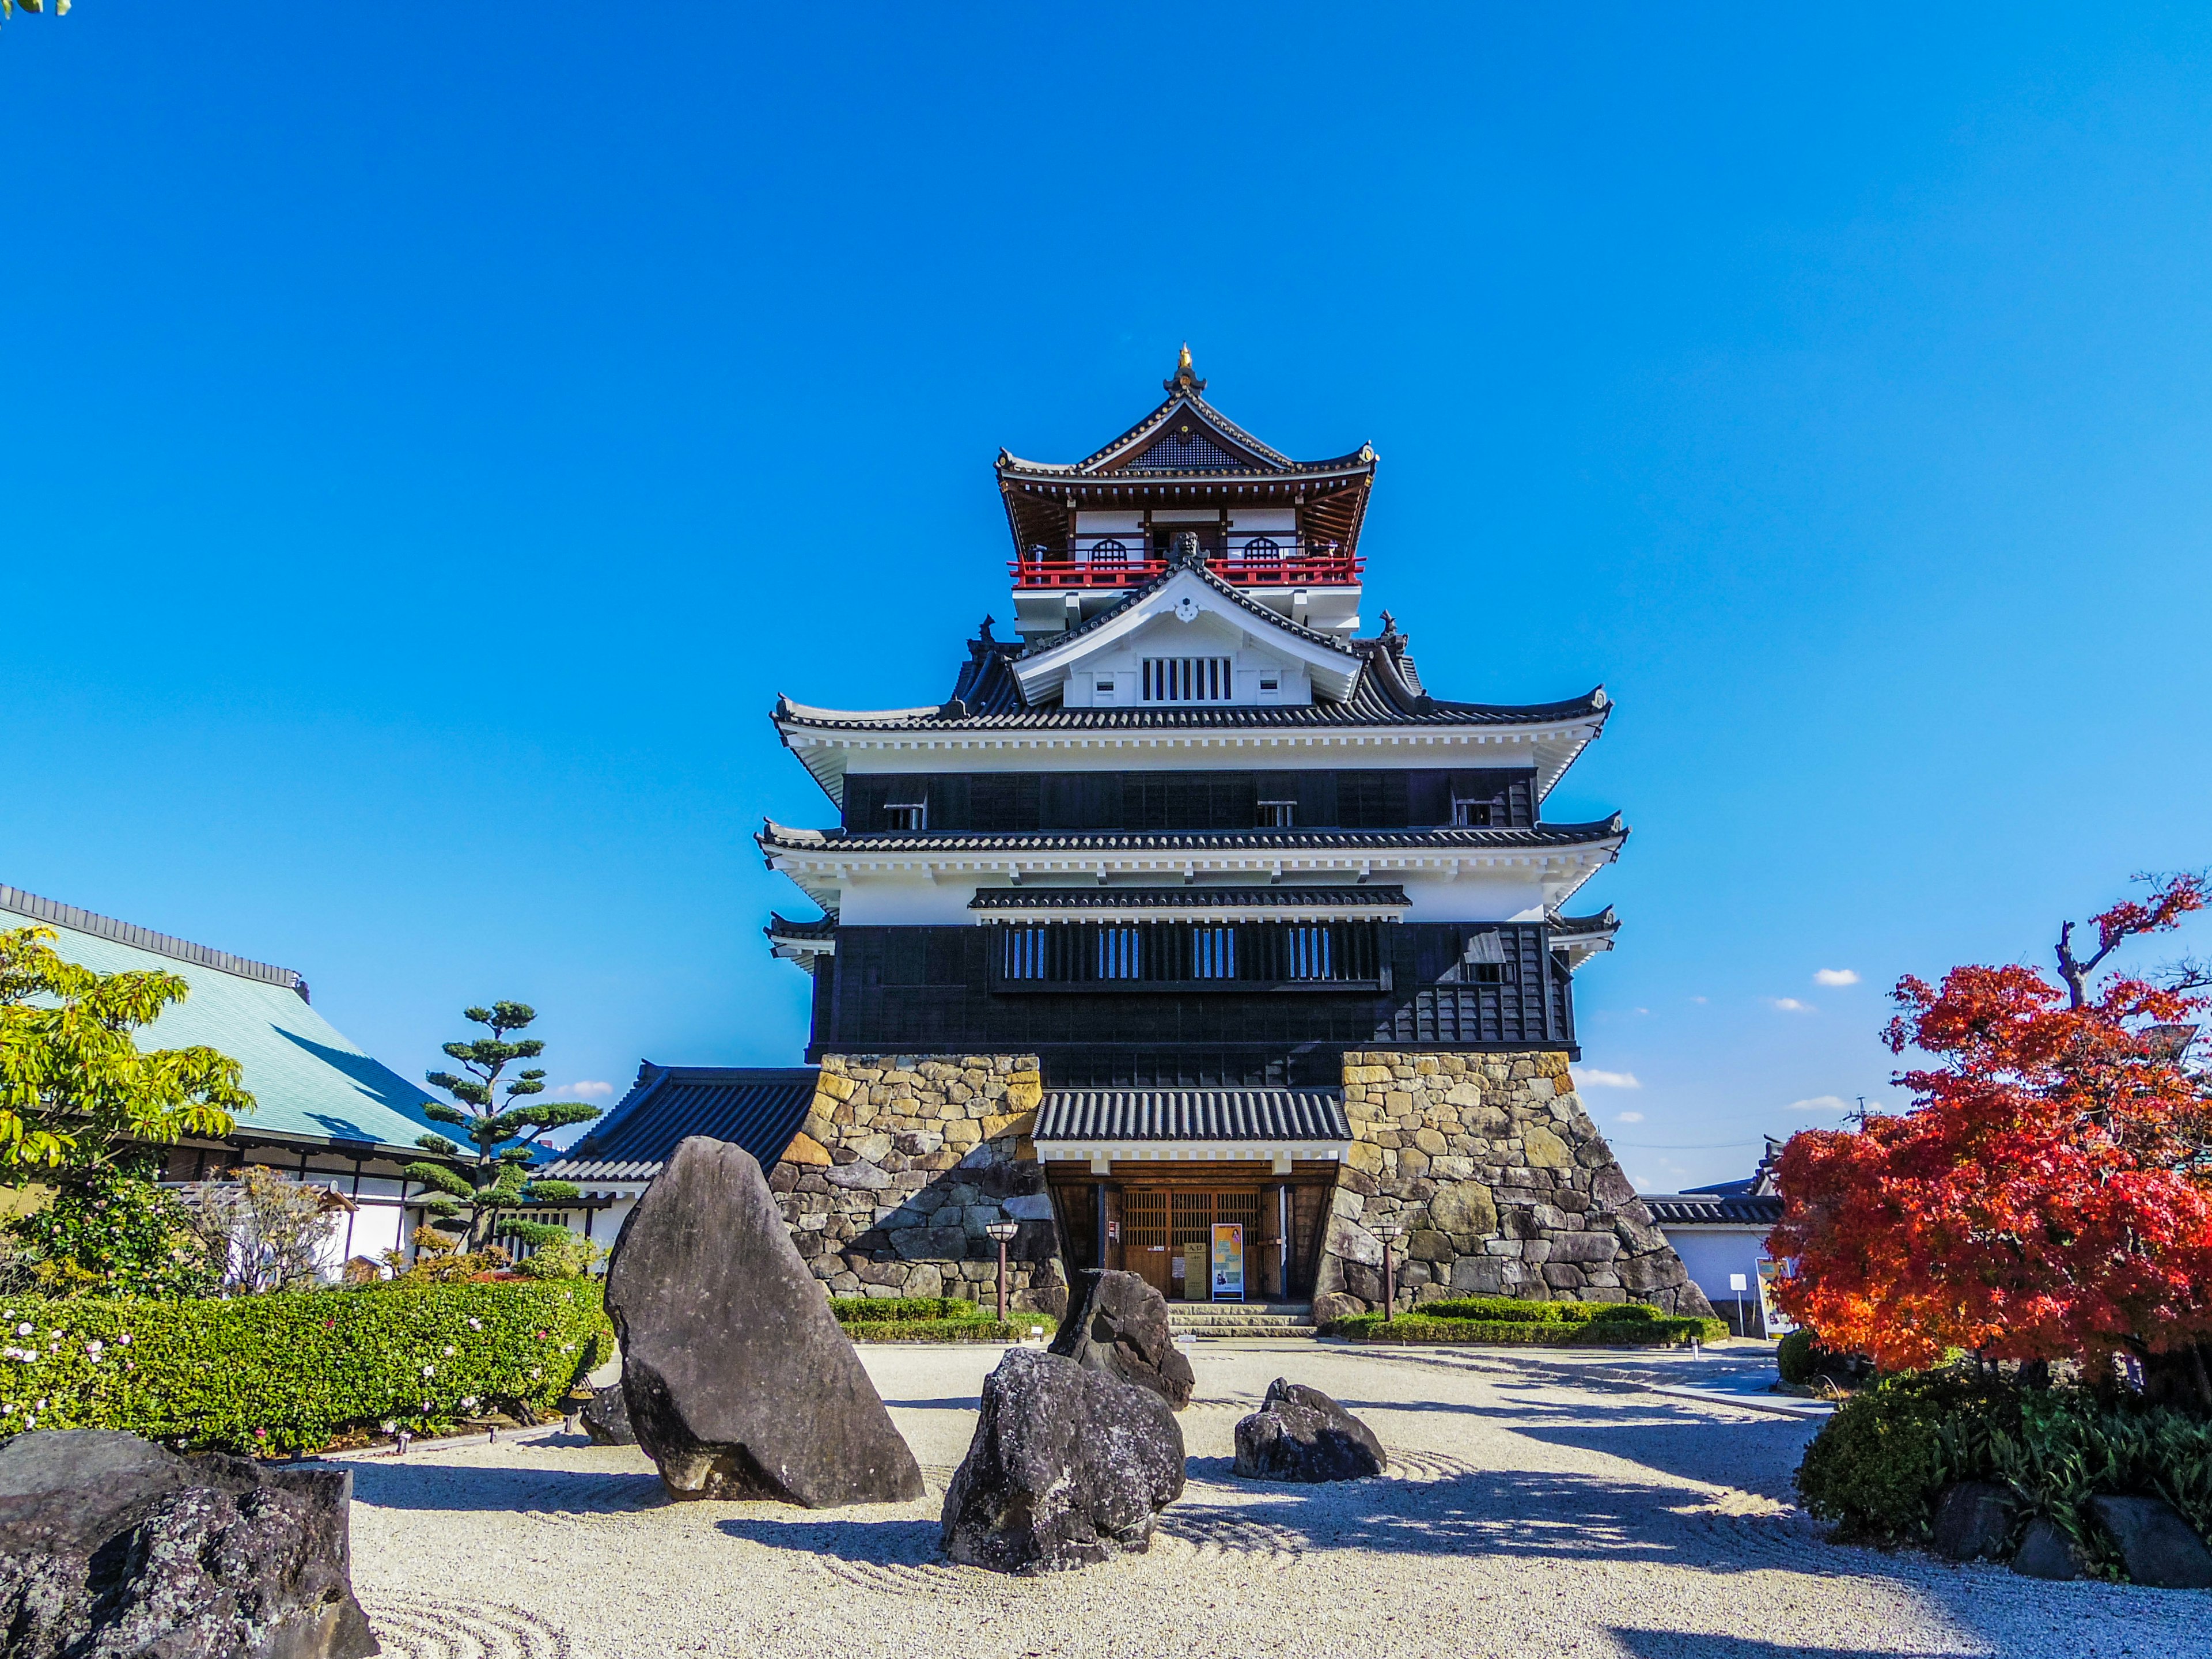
431, 1627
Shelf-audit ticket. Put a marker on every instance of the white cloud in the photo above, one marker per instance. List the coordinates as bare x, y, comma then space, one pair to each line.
1629, 1117
587, 1089
1836, 976
1790, 1005
1589, 1077
1697, 998
1819, 1106
1642, 1011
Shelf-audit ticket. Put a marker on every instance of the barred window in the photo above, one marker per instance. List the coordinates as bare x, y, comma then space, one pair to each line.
1119, 953
1213, 953
1278, 814
1310, 953
1110, 551
1263, 549
1024, 953
1188, 679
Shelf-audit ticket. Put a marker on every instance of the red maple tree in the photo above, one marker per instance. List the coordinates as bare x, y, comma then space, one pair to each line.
2047, 1195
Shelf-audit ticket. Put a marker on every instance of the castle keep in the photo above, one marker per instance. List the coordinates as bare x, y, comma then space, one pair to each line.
1190, 905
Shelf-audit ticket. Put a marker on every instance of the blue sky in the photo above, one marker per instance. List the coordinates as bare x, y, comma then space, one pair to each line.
435, 439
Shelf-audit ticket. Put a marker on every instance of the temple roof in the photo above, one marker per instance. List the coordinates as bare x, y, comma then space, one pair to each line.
1185, 452
1221, 1114
758, 1109
775, 836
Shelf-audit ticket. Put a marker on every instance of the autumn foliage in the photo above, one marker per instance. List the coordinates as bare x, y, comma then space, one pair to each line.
2048, 1193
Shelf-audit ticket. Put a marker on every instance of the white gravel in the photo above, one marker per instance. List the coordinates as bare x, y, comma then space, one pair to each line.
1534, 1507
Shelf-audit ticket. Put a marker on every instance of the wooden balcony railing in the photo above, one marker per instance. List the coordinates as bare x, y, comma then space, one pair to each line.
1292, 567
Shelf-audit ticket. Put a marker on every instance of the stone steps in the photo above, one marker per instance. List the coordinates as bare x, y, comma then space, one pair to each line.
1243, 1321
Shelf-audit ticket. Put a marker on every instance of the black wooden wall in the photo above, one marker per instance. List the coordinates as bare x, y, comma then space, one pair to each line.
928, 990
1004, 802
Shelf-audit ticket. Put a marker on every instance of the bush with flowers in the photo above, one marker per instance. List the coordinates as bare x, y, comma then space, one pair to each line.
293, 1371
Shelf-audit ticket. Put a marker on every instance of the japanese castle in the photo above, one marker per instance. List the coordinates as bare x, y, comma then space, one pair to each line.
1187, 905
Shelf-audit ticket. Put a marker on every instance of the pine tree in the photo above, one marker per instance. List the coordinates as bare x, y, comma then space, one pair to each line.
499, 1181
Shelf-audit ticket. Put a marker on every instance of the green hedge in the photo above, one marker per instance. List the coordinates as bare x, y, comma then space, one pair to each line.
1879, 1464
1015, 1329
1517, 1310
291, 1372
1657, 1331
849, 1308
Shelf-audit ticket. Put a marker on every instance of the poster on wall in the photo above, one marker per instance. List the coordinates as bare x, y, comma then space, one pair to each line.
1777, 1323
1228, 1261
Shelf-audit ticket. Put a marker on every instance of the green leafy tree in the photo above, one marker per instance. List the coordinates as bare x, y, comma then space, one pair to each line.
498, 1180
35, 6
109, 1231
76, 1090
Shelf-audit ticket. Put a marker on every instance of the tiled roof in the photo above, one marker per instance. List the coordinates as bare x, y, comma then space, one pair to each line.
1604, 921
1370, 704
1268, 1115
777, 836
758, 1109
310, 1084
1693, 1209
1196, 896
782, 927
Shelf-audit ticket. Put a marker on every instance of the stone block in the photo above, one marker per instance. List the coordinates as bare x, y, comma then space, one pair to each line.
1542, 1149
836, 1087
1365, 1156
1584, 1247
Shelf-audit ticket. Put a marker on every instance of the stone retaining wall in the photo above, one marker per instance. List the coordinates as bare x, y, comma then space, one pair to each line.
1502, 1183
901, 1162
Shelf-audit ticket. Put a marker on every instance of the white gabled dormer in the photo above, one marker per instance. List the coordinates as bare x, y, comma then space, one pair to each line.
1191, 641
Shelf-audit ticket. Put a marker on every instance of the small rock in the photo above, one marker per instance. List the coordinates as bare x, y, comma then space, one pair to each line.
2156, 1545
1301, 1434
2047, 1552
1119, 1325
606, 1419
1973, 1521
110, 1544
1068, 1467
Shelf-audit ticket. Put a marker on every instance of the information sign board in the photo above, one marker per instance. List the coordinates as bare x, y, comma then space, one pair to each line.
1228, 1261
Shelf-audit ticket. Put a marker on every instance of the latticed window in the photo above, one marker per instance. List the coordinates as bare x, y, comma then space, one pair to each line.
1110, 552
906, 815
1263, 549
1120, 955
1188, 679
1309, 954
1213, 953
1024, 956
1278, 814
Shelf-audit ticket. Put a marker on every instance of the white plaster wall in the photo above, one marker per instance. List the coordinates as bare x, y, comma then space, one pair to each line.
1711, 1254
1207, 635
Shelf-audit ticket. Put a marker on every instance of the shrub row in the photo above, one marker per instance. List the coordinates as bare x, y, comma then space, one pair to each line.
1657, 1331
1879, 1464
1015, 1329
1517, 1310
849, 1308
291, 1372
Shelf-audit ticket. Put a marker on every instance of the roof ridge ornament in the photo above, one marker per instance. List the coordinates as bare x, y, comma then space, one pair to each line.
1184, 552
1184, 378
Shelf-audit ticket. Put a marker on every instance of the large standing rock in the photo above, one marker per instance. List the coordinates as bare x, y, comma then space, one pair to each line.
1067, 1468
606, 1417
2045, 1552
111, 1546
1119, 1325
2156, 1545
1301, 1434
738, 1382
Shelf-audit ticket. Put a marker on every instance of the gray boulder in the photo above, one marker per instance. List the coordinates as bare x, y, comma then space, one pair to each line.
2156, 1545
112, 1546
738, 1380
1118, 1324
606, 1417
2046, 1551
1068, 1467
1301, 1434
1973, 1521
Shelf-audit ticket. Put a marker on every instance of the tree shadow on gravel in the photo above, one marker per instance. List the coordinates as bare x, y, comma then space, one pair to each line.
1675, 1644
401, 1485
1760, 1457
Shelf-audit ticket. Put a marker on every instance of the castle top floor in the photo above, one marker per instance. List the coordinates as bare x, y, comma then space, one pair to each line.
1285, 532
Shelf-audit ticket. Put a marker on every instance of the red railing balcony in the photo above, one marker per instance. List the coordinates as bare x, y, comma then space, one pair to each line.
1285, 567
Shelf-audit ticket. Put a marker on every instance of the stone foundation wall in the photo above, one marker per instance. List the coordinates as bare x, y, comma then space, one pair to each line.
1502, 1183
901, 1162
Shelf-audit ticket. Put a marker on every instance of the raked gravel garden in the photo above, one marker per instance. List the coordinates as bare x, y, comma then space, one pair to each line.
1534, 1506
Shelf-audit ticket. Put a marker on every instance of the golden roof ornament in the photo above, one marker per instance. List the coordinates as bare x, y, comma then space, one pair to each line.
1185, 379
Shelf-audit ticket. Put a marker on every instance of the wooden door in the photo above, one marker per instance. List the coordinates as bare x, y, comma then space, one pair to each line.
1145, 1236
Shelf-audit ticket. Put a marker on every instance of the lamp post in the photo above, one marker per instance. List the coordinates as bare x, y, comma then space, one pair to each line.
1386, 1232
1003, 1232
